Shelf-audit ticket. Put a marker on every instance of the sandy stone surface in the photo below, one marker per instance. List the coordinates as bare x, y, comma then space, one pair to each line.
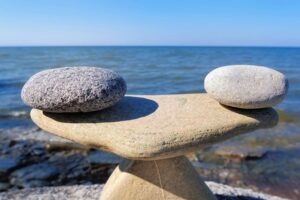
156, 127
73, 89
92, 192
246, 86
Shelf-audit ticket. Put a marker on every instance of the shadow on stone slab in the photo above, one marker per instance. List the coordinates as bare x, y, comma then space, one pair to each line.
263, 115
128, 108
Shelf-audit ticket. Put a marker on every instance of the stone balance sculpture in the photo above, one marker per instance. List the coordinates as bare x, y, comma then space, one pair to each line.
152, 132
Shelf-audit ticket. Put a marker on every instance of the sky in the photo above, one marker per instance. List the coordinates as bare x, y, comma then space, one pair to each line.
150, 22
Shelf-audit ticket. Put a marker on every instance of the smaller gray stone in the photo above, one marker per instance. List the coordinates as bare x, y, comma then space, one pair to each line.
73, 89
4, 186
101, 157
34, 175
7, 164
246, 86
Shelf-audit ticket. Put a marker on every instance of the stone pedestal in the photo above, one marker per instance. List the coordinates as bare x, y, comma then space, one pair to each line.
173, 178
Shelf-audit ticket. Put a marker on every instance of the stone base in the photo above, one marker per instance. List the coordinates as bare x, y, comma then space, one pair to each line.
173, 178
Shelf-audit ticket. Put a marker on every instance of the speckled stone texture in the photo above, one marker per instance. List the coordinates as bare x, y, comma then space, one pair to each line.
246, 86
73, 89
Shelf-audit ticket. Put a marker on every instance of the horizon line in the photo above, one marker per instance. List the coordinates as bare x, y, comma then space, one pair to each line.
224, 46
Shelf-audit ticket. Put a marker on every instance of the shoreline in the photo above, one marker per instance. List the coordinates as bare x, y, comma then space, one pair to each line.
245, 165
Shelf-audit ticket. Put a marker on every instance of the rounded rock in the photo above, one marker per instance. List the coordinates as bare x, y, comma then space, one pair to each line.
246, 86
73, 89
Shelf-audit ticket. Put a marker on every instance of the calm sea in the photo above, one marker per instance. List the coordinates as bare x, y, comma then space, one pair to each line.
147, 70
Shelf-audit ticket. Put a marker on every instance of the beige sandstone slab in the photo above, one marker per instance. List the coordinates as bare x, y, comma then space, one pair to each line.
156, 127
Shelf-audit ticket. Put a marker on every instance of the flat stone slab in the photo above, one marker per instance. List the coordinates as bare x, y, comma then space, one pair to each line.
93, 192
156, 127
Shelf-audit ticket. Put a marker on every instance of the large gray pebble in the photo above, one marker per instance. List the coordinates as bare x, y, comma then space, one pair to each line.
246, 86
73, 89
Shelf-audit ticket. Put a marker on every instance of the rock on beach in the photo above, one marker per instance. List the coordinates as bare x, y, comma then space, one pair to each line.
73, 89
246, 86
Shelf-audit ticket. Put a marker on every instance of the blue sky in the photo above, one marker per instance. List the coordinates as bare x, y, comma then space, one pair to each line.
150, 22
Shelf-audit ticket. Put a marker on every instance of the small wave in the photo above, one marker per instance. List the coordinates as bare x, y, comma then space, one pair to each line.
288, 117
14, 114
18, 113
4, 55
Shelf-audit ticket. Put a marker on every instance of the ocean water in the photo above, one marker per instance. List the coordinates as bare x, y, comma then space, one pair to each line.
147, 70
